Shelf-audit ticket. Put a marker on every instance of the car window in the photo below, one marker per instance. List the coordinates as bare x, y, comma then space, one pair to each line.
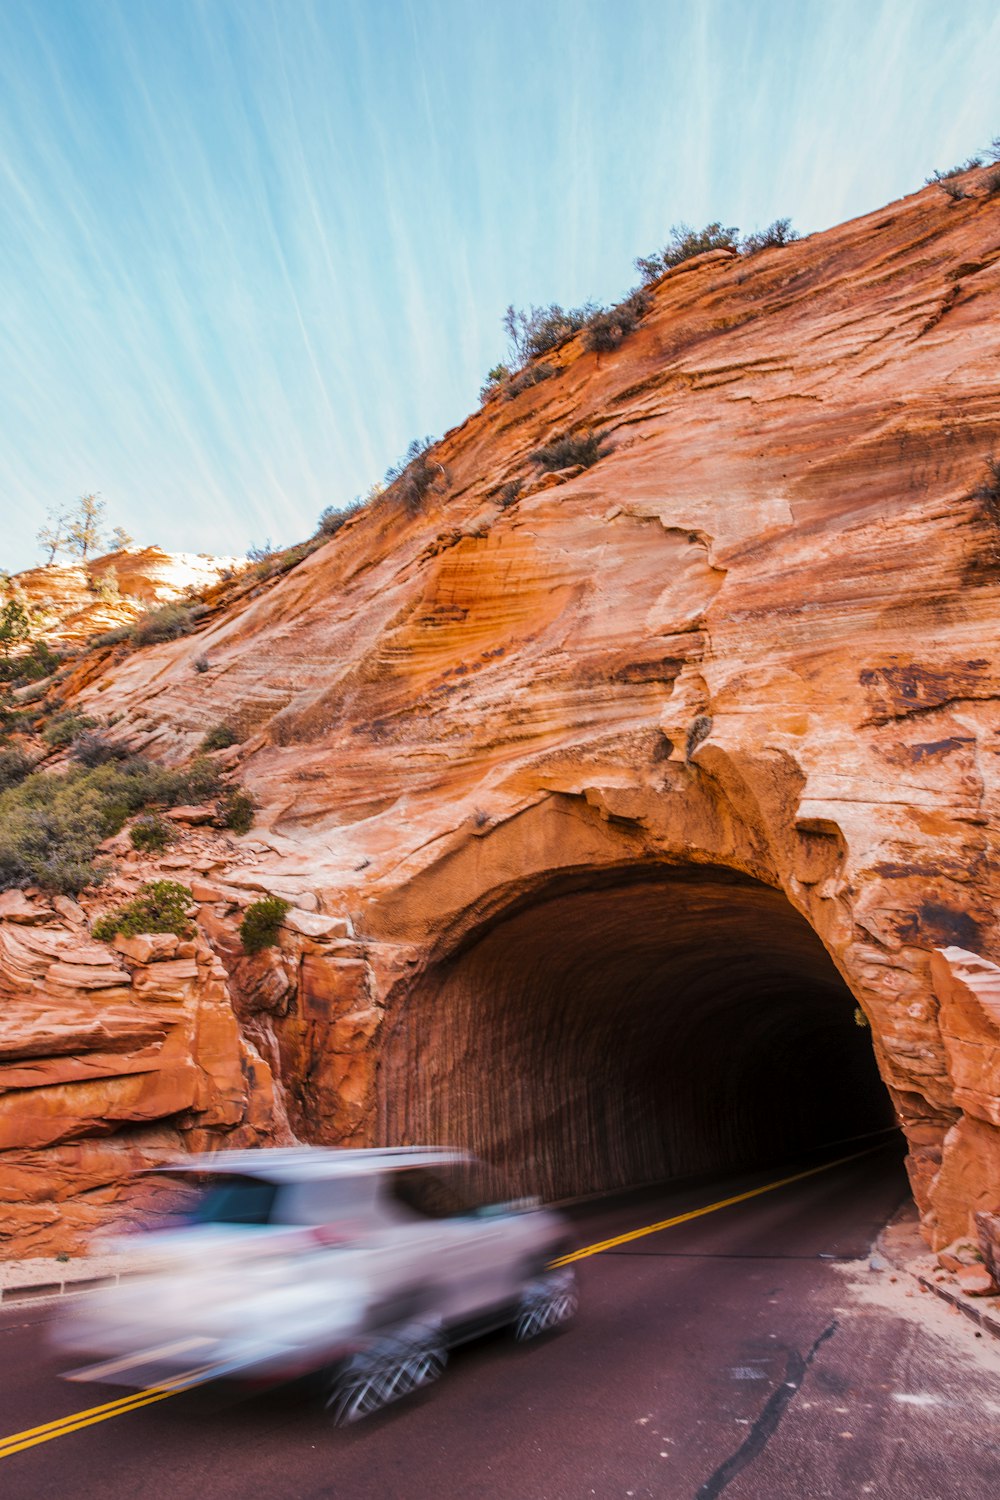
437, 1192
324, 1201
235, 1200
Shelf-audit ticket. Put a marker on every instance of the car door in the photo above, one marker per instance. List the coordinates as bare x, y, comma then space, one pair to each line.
458, 1250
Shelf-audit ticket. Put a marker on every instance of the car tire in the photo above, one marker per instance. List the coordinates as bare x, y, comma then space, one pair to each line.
392, 1367
547, 1301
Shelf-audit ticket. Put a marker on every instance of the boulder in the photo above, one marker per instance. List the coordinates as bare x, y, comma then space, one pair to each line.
194, 816
314, 924
15, 907
147, 947
976, 1281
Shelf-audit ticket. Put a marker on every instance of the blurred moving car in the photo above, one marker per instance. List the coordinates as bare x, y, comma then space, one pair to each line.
367, 1266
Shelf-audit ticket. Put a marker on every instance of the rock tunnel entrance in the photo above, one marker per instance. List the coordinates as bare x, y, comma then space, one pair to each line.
618, 1028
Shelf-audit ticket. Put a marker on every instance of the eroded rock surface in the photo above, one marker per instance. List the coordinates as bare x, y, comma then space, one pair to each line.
79, 599
755, 644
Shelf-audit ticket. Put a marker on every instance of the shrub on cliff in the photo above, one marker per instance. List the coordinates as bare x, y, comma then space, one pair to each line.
65, 727
939, 178
165, 624
415, 475
111, 637
571, 448
607, 328
220, 737
14, 767
525, 379
33, 665
334, 517
542, 328
778, 233
158, 906
92, 748
238, 809
495, 380
261, 922
150, 834
684, 244
51, 826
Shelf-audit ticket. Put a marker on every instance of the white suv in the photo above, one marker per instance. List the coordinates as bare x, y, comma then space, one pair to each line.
365, 1265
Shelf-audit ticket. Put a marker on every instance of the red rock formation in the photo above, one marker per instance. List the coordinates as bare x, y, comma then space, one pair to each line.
109, 1061
636, 787
78, 600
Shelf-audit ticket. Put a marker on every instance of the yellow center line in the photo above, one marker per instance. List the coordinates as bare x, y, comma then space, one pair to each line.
32, 1436
710, 1208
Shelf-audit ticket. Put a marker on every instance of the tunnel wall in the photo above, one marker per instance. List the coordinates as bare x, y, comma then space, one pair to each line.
628, 1026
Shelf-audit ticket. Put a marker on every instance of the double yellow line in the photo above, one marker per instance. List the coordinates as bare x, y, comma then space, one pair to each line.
18, 1441
32, 1436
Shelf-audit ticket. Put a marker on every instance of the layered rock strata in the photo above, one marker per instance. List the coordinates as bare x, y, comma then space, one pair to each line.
738, 679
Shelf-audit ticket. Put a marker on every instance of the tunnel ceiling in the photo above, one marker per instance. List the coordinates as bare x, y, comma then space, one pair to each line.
629, 1029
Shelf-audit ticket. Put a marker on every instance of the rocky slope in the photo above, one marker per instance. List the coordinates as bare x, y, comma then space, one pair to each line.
608, 805
79, 600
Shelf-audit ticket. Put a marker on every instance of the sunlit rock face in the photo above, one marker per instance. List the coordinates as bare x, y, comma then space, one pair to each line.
77, 600
635, 790
112, 1060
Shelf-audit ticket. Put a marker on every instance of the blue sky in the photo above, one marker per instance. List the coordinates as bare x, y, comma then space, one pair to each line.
248, 250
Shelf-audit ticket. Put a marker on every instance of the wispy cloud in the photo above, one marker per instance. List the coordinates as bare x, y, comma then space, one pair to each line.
249, 249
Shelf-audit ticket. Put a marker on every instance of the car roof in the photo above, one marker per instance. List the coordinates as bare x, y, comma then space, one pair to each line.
299, 1163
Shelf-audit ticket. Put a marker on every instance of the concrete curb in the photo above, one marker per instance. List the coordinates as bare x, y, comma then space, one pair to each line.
903, 1260
978, 1315
45, 1291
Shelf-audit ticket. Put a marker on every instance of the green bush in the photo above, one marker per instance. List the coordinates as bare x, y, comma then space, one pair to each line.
415, 474
570, 449
150, 834
92, 748
778, 233
220, 737
684, 244
334, 517
158, 906
542, 328
963, 166
608, 327
494, 382
525, 379
237, 810
51, 825
261, 921
165, 624
14, 766
64, 728
33, 665
508, 494
197, 782
112, 637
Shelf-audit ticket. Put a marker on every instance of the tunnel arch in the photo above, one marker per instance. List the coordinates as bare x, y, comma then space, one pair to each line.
613, 1026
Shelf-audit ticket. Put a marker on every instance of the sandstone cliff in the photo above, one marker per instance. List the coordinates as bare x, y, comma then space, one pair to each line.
624, 793
78, 600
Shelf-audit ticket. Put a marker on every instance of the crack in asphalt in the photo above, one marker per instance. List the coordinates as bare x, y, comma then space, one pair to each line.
766, 1424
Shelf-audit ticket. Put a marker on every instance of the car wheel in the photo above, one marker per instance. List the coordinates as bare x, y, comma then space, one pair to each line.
547, 1301
387, 1370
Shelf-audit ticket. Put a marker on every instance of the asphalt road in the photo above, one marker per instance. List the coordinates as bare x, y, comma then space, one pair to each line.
739, 1353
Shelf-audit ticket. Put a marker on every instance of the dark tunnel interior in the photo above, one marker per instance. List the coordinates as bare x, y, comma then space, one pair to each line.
633, 1028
